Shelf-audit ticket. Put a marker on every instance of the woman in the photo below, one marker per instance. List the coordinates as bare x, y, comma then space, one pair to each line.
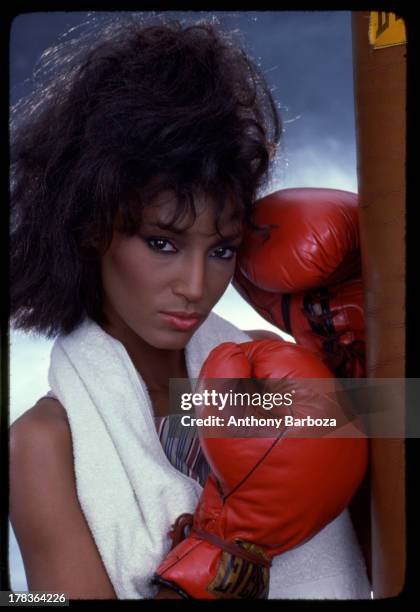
134, 170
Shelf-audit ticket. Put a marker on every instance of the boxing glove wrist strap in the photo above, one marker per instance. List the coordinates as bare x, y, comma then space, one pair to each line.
231, 548
181, 528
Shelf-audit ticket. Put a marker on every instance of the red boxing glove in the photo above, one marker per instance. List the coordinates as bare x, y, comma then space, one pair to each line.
305, 276
265, 495
328, 321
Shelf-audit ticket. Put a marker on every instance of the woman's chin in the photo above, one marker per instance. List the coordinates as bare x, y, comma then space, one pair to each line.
171, 341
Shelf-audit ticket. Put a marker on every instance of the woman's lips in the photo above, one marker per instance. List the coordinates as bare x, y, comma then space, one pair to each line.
181, 320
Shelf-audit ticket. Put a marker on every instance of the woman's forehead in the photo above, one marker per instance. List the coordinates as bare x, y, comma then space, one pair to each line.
203, 211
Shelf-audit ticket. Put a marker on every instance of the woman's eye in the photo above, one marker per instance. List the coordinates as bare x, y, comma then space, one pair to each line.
224, 252
160, 244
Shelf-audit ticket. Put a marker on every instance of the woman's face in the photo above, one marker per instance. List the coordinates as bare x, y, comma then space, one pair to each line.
162, 283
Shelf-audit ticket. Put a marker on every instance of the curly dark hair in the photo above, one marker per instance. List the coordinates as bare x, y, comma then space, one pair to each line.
139, 109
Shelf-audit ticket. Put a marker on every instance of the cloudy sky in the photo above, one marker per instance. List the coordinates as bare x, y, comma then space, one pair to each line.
307, 59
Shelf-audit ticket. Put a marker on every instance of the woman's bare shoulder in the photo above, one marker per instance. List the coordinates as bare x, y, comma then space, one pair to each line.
262, 334
57, 546
47, 410
44, 427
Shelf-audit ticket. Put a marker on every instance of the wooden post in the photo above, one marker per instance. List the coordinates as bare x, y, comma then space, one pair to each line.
379, 61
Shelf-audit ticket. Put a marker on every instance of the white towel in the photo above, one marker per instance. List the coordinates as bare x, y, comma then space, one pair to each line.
130, 493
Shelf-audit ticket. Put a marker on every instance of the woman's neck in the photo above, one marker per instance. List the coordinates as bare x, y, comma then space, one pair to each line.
155, 365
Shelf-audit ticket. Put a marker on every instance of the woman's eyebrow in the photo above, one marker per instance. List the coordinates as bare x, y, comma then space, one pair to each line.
177, 230
231, 237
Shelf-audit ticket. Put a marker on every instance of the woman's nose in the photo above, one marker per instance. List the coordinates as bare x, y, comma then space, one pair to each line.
190, 281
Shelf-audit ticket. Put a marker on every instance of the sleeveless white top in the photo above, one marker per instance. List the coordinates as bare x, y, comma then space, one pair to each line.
130, 493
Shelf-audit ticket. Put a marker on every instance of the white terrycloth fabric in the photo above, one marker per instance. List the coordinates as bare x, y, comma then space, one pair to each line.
130, 493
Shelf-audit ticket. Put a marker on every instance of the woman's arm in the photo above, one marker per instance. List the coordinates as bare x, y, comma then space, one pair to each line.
57, 548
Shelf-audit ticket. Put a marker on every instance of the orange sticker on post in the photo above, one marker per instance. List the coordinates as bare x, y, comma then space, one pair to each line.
386, 30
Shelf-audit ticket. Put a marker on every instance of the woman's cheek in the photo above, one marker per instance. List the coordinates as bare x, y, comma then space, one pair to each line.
135, 263
220, 278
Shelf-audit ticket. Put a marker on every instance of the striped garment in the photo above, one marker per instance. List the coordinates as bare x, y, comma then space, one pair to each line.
182, 447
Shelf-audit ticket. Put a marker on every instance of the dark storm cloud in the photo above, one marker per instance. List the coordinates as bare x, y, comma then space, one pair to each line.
308, 58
